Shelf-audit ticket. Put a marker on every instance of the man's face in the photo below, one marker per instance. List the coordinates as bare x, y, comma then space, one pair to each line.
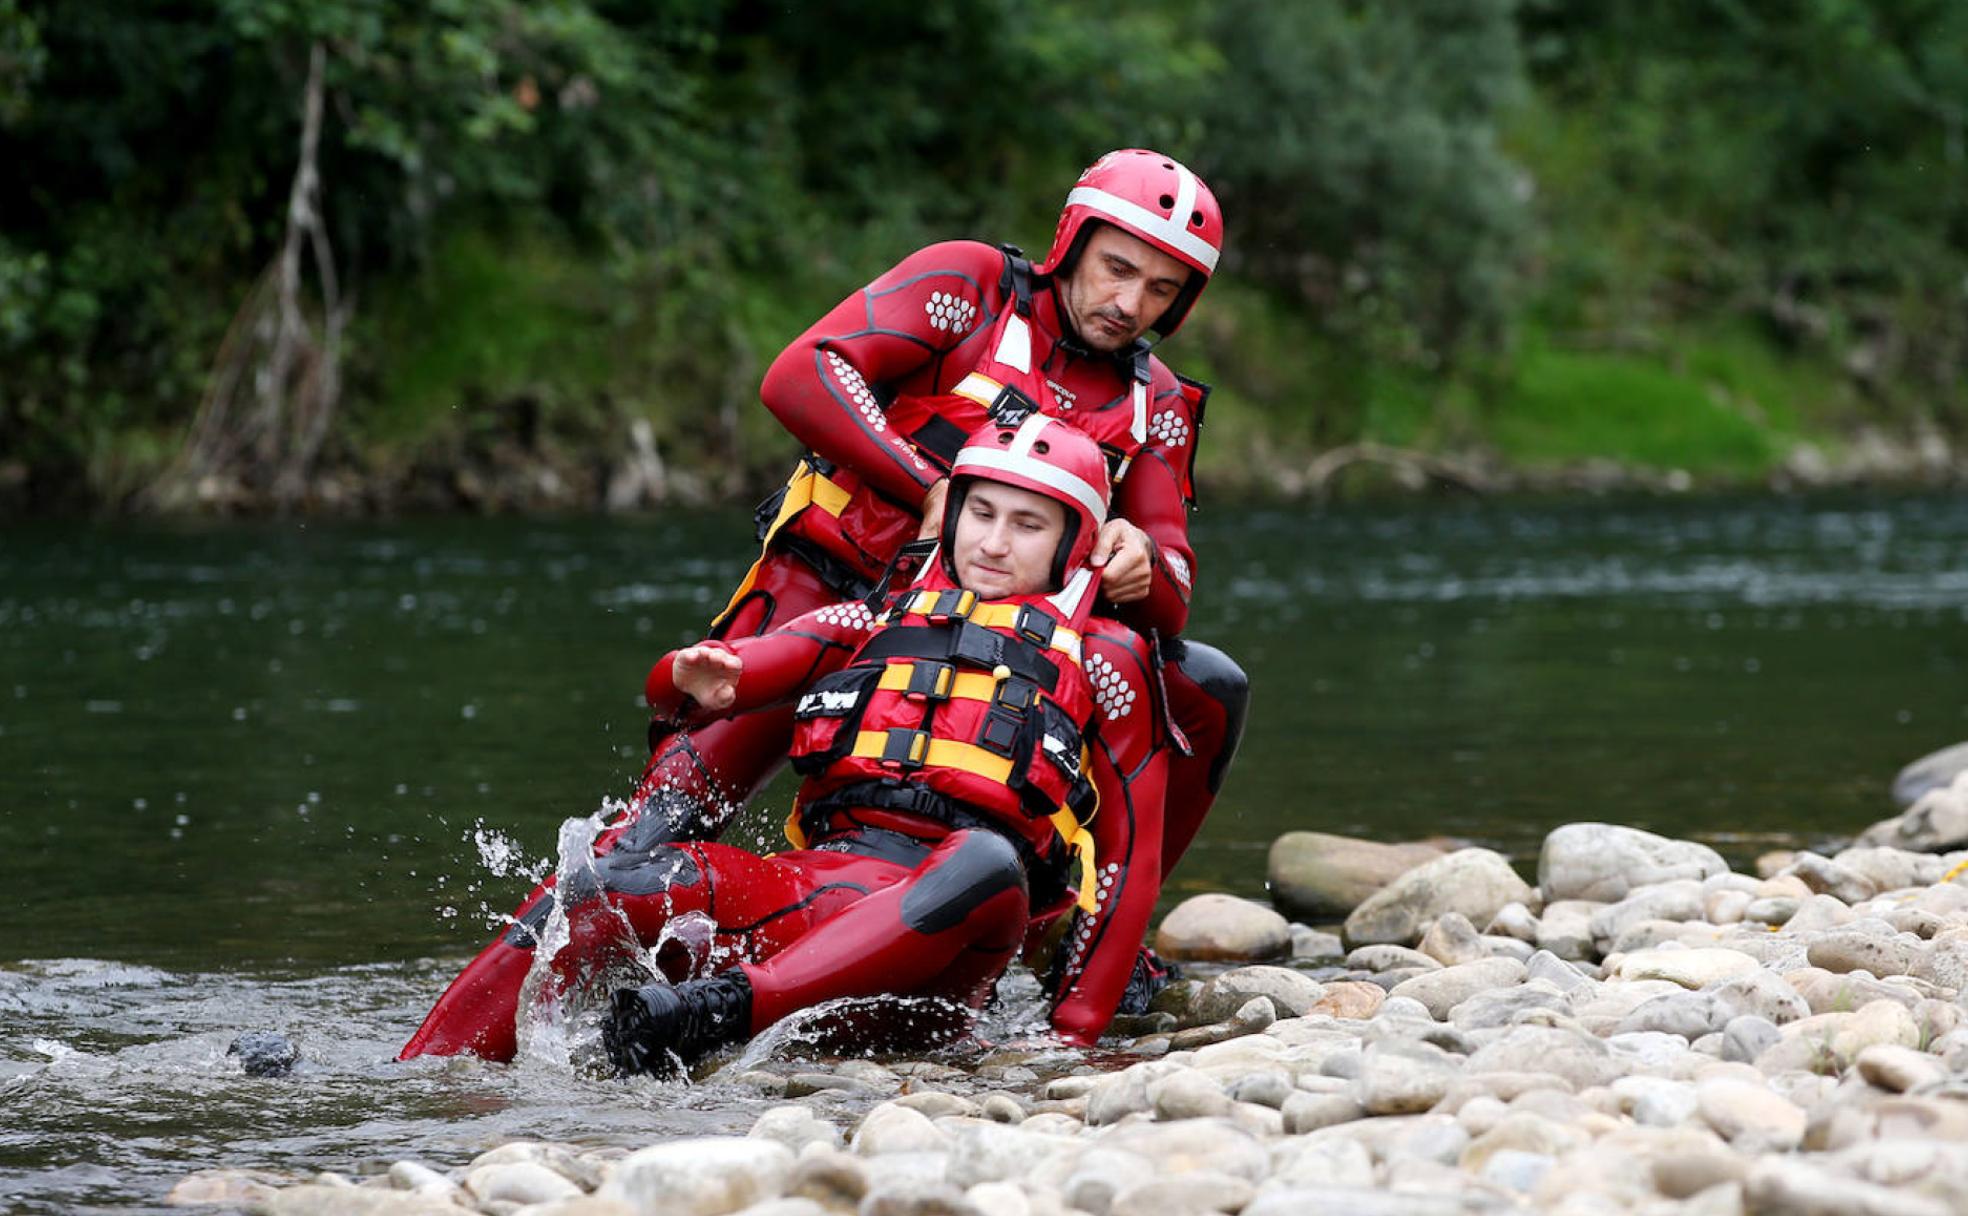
1120, 286
1005, 540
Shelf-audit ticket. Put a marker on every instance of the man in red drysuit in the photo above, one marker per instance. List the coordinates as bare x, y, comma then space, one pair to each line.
955, 786
882, 389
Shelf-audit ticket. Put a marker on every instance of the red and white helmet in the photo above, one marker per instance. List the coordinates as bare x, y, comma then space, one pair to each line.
1047, 457
1151, 196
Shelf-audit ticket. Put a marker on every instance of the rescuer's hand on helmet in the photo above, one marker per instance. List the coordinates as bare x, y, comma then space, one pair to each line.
708, 674
932, 520
1125, 558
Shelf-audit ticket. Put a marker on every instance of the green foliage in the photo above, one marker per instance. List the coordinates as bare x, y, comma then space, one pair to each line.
1681, 233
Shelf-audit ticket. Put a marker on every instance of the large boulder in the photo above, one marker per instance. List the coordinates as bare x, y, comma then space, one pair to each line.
1474, 882
1603, 861
1935, 823
1935, 770
1223, 928
1315, 876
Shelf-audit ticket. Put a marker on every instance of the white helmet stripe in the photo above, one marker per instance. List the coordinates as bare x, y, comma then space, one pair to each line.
1169, 232
1018, 459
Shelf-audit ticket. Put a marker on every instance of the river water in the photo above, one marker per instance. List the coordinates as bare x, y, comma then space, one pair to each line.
286, 776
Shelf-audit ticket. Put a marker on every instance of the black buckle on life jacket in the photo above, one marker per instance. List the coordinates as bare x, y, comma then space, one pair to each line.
905, 748
1000, 733
953, 604
1012, 406
1034, 626
1015, 694
930, 680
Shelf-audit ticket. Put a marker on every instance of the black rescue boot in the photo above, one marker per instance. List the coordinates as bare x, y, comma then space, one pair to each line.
650, 1029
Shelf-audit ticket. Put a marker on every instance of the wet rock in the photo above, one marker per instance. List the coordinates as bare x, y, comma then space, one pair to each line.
796, 1127
1291, 993
1603, 861
702, 1176
224, 1188
262, 1053
1223, 928
890, 1128
1935, 770
1474, 882
1441, 991
519, 1182
319, 1199
1266, 1088
1452, 940
1688, 968
1935, 823
1315, 876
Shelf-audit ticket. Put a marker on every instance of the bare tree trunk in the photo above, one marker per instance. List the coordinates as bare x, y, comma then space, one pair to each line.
276, 380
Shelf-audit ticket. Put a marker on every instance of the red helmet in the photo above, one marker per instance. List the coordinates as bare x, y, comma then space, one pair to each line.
1047, 457
1151, 196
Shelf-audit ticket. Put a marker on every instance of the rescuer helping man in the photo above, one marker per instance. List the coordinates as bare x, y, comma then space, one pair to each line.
882, 391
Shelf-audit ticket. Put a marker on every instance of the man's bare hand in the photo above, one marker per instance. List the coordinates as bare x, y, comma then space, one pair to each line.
932, 520
708, 674
1125, 558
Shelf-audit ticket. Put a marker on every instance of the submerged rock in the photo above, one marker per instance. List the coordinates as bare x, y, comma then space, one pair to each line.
262, 1053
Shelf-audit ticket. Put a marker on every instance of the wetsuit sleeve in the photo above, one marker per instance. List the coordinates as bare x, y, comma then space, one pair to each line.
831, 386
777, 666
1131, 775
1155, 497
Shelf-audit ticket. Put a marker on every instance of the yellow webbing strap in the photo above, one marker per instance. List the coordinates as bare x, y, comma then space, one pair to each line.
995, 616
959, 686
795, 835
1079, 842
979, 388
1959, 868
807, 487
939, 753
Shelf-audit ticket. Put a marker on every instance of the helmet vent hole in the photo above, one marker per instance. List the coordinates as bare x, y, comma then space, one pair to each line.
1041, 447
1169, 165
1168, 202
1005, 438
1195, 219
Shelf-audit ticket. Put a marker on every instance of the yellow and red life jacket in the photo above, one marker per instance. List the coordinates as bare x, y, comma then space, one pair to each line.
954, 703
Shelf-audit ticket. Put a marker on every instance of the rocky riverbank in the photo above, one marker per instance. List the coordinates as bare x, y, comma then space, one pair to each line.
1643, 1031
